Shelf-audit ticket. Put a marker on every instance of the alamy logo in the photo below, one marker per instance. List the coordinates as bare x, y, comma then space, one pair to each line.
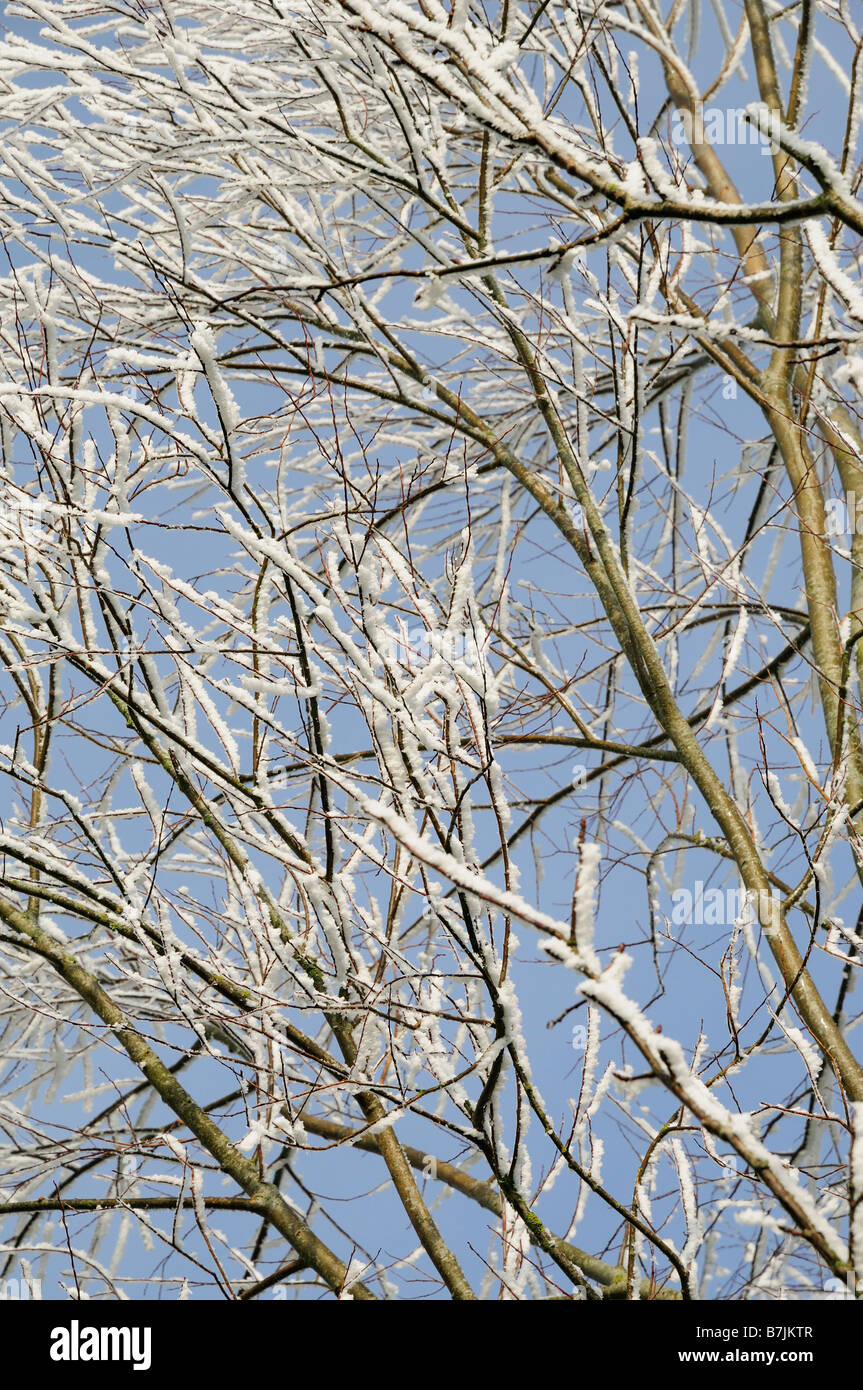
734, 125
20, 1288
22, 517
844, 518
76, 1343
419, 646
717, 907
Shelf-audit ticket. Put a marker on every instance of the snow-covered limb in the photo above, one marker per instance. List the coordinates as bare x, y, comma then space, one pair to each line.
668, 1063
